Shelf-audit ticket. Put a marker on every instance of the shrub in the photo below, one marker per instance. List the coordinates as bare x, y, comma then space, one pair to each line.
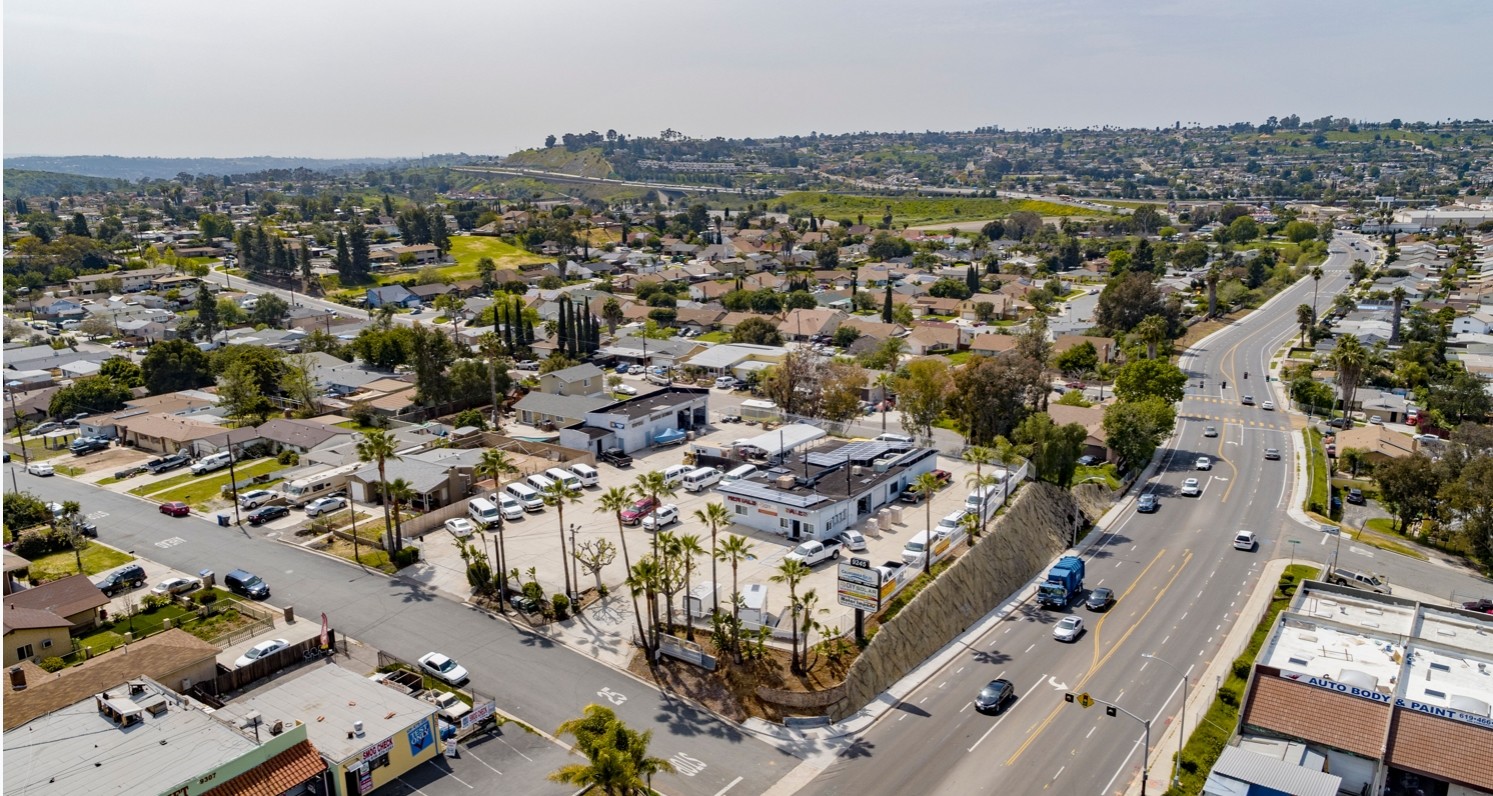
562, 606
405, 556
1229, 697
53, 664
38, 542
1241, 668
1189, 765
206, 597
289, 457
23, 510
150, 603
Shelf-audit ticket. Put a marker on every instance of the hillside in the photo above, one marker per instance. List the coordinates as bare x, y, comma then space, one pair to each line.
914, 211
24, 182
584, 163
128, 168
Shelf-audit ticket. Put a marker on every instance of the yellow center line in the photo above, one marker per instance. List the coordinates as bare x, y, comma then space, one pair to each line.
1038, 729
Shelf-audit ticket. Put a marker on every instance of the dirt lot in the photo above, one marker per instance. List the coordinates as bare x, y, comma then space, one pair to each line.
731, 690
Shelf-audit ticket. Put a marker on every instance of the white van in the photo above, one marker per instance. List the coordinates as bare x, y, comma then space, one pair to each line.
890, 437
216, 461
526, 495
588, 474
508, 505
701, 479
738, 473
673, 475
539, 482
483, 512
984, 501
571, 480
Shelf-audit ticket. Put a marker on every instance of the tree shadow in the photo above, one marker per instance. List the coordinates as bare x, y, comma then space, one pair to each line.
413, 592
997, 657
859, 748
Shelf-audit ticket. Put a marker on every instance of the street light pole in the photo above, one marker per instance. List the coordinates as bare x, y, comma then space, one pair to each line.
1181, 715
575, 581
1146, 759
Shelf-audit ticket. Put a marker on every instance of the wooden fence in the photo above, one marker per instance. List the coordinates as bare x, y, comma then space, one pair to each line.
230, 680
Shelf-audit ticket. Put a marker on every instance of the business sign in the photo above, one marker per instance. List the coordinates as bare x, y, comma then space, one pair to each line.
863, 575
479, 714
377, 750
859, 586
419, 736
1400, 702
365, 779
868, 592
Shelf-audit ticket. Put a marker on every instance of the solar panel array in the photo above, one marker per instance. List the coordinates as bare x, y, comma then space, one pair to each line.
765, 492
862, 452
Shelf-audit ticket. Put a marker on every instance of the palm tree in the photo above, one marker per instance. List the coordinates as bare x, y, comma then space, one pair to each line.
1007, 453
399, 492
1398, 294
557, 494
615, 501
494, 464
619, 760
1316, 273
644, 579
715, 515
1212, 281
652, 485
687, 548
885, 380
378, 446
926, 484
735, 550
1153, 332
1305, 319
792, 572
1350, 358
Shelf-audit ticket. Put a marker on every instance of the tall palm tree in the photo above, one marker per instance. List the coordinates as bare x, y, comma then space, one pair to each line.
379, 446
653, 485
1350, 358
619, 760
792, 572
644, 580
1316, 273
399, 492
1398, 294
1153, 331
494, 464
687, 547
735, 550
1211, 280
715, 515
615, 501
979, 456
926, 484
557, 494
885, 380
1305, 319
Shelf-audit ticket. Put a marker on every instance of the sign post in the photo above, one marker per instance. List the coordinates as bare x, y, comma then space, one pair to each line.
859, 586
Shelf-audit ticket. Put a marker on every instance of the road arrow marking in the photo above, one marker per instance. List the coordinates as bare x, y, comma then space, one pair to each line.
1053, 681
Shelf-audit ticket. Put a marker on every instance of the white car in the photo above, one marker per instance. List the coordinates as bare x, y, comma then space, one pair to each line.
443, 668
1244, 540
175, 586
1268, 406
40, 468
508, 505
1272, 454
853, 541
255, 498
325, 505
1191, 488
664, 516
1210, 431
260, 650
625, 389
1069, 629
1203, 463
460, 527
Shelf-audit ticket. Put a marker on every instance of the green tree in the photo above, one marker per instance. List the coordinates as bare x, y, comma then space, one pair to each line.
1128, 300
791, 573
922, 395
1300, 231
398, 492
1243, 229
757, 331
735, 550
122, 371
91, 394
557, 494
357, 245
431, 356
270, 310
618, 760
887, 313
1408, 486
1153, 330
1459, 398
343, 261
1351, 359
611, 312
1054, 449
207, 323
1142, 378
614, 501
1135, 428
715, 516
1077, 360
1305, 319
379, 446
1470, 498
240, 393
173, 365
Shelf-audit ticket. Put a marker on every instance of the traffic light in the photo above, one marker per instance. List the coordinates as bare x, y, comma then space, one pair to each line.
1068, 697
1109, 710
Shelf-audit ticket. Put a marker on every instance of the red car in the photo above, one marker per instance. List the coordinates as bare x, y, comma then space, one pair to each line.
639, 510
1075, 385
943, 476
176, 508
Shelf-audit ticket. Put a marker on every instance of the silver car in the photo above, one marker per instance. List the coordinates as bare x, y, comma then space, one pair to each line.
325, 505
1069, 629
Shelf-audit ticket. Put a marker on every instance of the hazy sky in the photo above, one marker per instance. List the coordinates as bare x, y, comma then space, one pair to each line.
327, 78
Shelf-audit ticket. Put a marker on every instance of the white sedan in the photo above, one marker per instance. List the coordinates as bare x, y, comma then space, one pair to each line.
1268, 406
853, 540
625, 389
260, 650
40, 468
175, 586
460, 527
1191, 488
1069, 629
325, 505
443, 668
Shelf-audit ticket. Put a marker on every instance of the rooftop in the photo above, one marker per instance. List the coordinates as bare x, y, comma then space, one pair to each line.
834, 471
645, 405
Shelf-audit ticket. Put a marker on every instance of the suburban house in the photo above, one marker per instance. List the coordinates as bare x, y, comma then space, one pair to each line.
801, 324
586, 380
640, 423
1378, 443
992, 344
424, 253
737, 359
933, 338
1479, 322
57, 308
538, 408
392, 295
1096, 444
73, 600
161, 433
129, 281
434, 485
1103, 346
301, 436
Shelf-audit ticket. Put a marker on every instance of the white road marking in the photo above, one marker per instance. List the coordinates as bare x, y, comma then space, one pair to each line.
515, 749
1144, 665
1184, 615
1029, 649
1118, 563
1059, 774
1091, 731
483, 762
1165, 640
946, 682
921, 701
966, 707
961, 668
728, 787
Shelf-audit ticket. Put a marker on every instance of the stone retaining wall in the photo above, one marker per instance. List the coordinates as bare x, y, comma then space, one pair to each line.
802, 699
1033, 531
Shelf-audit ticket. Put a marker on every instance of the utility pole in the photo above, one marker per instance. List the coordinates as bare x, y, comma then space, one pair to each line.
1181, 714
15, 417
575, 583
233, 483
1086, 701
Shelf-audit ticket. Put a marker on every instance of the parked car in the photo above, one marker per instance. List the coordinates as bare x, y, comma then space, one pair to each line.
264, 514
247, 584
255, 498
44, 428
635, 513
42, 469
175, 508
853, 540
615, 457
944, 477
527, 364
88, 445
260, 650
325, 505
666, 515
1147, 503
1087, 460
460, 527
443, 668
130, 576
625, 389
1482, 605
1099, 599
1355, 496
176, 586
168, 463
1068, 629
994, 696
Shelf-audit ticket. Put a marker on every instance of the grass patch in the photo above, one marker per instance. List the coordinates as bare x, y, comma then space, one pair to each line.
68, 470
109, 635
187, 487
35, 449
922, 210
96, 559
715, 337
1316, 458
1101, 474
371, 557
358, 427
1211, 734
959, 357
218, 624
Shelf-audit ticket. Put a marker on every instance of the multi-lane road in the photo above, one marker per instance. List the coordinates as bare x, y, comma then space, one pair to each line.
1180, 586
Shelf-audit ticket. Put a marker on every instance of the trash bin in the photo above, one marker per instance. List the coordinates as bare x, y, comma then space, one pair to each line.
224, 520
207, 577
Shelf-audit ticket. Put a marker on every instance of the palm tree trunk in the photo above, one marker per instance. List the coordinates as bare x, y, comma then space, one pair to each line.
793, 611
388, 522
735, 614
627, 562
564, 559
715, 579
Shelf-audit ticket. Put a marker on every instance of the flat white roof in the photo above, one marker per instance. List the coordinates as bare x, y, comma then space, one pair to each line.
786, 438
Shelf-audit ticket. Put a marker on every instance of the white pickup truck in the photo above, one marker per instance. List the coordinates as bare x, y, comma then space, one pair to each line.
812, 553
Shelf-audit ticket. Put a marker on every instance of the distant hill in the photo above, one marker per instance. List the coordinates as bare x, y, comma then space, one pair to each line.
22, 182
165, 168
584, 163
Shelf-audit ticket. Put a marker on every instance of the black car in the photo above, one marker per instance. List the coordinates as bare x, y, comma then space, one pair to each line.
1147, 503
1099, 599
168, 463
615, 457
1355, 496
994, 696
1088, 461
128, 577
264, 514
88, 445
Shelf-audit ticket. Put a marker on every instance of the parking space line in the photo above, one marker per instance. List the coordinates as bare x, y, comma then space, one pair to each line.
470, 754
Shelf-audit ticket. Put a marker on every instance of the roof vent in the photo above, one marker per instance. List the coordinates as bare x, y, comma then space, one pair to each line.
358, 728
252, 719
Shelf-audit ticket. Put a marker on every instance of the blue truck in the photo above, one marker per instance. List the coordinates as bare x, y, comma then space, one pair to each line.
1064, 582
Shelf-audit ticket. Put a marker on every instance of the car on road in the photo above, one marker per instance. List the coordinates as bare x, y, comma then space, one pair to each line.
1355, 496
853, 540
1268, 406
175, 508
1210, 431
1203, 463
42, 469
264, 514
255, 498
1099, 599
1244, 540
632, 515
994, 696
1272, 454
1481, 605
615, 457
1191, 488
325, 505
666, 515
1069, 629
443, 668
1075, 385
260, 650
460, 527
176, 586
625, 389
1147, 503
1248, 400
1338, 422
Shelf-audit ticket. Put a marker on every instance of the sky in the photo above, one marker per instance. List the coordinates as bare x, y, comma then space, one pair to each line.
327, 78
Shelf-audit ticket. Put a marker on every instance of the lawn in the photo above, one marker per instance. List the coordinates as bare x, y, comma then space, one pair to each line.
369, 556
1210, 734
467, 250
187, 487
96, 559
34, 448
111, 634
1316, 458
1103, 474
715, 337
917, 211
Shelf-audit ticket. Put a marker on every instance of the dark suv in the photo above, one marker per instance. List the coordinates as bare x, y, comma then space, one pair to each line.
247, 584
122, 579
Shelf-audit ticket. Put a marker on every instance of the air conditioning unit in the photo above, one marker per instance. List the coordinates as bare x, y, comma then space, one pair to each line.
857, 469
786, 481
